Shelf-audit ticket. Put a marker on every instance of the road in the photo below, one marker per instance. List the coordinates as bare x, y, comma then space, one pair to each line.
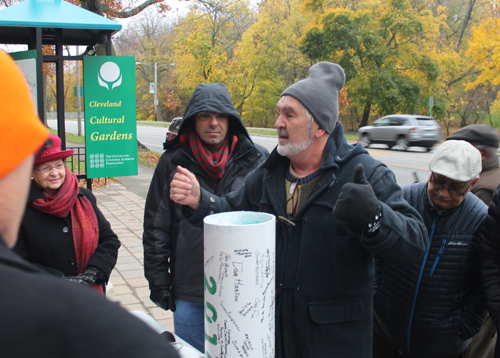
403, 164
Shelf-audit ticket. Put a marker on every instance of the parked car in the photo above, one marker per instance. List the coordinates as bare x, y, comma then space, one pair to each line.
400, 131
173, 129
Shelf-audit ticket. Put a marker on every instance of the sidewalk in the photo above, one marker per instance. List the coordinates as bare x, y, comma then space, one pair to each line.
124, 209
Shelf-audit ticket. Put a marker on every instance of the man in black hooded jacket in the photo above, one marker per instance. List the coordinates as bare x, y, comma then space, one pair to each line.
214, 144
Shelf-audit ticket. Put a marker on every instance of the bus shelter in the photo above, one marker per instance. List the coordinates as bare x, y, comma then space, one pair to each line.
58, 23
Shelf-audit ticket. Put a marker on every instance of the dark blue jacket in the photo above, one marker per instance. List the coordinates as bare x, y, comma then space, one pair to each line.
433, 309
324, 267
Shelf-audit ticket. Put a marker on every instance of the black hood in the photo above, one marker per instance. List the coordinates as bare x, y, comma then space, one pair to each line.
210, 97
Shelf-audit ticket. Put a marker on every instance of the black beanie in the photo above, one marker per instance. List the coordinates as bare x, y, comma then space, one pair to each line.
319, 93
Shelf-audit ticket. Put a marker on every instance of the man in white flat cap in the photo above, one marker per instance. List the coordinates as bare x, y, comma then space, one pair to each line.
434, 307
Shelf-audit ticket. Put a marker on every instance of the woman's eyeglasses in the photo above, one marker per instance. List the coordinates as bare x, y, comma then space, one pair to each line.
48, 168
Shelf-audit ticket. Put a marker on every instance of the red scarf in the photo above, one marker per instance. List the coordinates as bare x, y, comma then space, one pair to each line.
213, 163
83, 219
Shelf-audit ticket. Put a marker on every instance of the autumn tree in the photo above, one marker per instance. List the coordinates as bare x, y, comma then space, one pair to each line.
151, 40
454, 102
484, 51
380, 45
267, 61
206, 40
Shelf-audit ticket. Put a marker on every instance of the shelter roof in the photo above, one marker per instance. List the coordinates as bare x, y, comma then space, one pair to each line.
78, 26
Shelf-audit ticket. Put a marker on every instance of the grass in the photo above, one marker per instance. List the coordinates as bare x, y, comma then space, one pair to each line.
72, 138
262, 131
153, 124
149, 159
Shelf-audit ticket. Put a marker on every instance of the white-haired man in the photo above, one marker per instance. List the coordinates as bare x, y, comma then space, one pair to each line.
324, 264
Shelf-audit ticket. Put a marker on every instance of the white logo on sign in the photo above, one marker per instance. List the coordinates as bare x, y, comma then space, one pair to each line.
109, 75
97, 160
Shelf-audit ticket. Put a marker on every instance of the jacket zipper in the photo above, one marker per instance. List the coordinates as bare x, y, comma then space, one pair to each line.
441, 251
418, 283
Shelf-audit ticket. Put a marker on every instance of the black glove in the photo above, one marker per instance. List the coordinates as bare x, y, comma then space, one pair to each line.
164, 298
87, 277
357, 204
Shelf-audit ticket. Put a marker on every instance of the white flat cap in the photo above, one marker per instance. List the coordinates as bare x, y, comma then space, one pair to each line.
457, 160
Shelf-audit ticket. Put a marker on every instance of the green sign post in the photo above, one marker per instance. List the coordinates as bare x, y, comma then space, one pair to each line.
431, 104
110, 116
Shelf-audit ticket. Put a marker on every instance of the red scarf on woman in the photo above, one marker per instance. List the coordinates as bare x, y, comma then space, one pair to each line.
83, 219
213, 163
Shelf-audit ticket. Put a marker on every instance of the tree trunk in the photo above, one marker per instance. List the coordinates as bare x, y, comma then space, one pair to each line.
366, 114
94, 6
465, 23
159, 112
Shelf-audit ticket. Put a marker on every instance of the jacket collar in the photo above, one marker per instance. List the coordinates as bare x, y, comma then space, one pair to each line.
490, 164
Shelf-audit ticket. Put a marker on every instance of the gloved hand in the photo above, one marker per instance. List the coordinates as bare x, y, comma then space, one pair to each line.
88, 277
357, 204
164, 298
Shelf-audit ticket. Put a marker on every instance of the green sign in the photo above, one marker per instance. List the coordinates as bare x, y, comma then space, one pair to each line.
26, 60
110, 116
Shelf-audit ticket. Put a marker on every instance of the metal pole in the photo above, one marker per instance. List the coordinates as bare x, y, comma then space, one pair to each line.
78, 94
39, 75
156, 92
61, 124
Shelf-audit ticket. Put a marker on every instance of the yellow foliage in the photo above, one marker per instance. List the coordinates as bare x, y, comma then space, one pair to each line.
484, 50
267, 60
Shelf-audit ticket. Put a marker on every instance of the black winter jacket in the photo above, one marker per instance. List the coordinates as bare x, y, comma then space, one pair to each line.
437, 314
173, 248
324, 267
47, 241
490, 257
46, 317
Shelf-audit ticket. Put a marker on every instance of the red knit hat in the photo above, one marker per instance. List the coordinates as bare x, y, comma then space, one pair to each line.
53, 151
21, 131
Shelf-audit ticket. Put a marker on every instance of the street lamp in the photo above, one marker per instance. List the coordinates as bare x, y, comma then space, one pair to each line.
156, 102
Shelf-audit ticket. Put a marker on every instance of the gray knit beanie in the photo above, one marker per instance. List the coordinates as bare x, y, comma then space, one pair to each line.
319, 93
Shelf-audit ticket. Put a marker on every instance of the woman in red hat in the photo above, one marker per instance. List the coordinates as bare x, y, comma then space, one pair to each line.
62, 230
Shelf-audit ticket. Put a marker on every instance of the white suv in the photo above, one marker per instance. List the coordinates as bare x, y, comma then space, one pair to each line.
402, 131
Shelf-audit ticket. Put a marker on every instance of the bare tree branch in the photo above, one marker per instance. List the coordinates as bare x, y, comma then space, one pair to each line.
465, 23
131, 12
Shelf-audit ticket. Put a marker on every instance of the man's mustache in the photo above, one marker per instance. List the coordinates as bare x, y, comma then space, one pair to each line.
282, 131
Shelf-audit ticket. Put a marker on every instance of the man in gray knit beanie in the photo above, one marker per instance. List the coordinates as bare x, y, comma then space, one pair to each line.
324, 264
